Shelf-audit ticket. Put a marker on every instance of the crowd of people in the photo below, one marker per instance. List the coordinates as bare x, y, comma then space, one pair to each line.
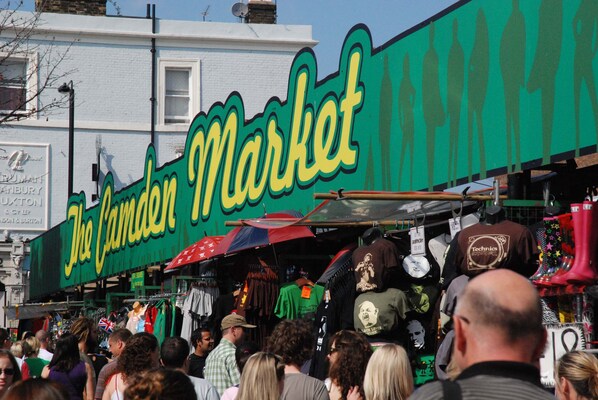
498, 339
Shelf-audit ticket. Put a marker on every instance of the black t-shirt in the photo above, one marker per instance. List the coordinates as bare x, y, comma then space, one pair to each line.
196, 364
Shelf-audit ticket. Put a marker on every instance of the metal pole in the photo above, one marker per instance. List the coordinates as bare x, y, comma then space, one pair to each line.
71, 137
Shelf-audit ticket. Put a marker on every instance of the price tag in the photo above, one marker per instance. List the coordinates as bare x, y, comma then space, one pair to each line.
418, 241
306, 292
455, 226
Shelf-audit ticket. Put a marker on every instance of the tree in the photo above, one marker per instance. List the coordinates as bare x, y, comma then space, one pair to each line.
27, 67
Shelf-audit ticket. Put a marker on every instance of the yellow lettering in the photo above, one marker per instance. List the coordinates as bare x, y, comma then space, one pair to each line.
353, 98
323, 141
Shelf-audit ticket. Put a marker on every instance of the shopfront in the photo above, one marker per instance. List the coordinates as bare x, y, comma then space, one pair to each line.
457, 98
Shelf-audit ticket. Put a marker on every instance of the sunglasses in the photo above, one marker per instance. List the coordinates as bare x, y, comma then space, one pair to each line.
7, 371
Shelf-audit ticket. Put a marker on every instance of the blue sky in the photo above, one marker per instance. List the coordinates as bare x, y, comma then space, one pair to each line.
330, 19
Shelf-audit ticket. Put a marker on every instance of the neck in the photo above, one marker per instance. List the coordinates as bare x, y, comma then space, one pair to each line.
200, 352
291, 369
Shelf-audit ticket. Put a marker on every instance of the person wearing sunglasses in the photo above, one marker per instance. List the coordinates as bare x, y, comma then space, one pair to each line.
9, 371
348, 358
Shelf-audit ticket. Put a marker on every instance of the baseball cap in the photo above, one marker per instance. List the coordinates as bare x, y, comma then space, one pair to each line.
234, 320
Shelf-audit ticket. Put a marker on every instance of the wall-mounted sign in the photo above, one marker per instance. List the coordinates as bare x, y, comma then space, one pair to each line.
24, 169
483, 88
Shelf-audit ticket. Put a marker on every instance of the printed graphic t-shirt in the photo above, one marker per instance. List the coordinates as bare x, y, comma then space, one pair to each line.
371, 264
379, 313
502, 245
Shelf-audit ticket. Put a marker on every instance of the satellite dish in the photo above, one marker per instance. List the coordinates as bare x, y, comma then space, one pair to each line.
240, 10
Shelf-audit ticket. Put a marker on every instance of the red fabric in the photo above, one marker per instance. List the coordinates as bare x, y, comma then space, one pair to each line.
150, 317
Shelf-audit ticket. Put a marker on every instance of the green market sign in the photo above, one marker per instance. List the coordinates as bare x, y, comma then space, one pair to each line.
459, 97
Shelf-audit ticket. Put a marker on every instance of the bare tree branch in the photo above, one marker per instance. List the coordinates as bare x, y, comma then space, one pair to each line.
42, 57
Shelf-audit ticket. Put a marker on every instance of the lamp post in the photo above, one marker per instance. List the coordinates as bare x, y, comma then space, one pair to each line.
68, 88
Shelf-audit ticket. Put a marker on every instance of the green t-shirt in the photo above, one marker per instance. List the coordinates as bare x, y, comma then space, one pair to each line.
298, 302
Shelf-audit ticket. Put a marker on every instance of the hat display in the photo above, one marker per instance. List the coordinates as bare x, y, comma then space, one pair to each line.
234, 320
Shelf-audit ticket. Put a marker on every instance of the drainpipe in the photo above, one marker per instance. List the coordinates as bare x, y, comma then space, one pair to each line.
153, 51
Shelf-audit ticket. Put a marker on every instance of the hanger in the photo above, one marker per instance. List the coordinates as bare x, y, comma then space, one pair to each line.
303, 281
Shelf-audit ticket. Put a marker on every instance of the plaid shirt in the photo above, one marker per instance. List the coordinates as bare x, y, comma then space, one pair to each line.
221, 367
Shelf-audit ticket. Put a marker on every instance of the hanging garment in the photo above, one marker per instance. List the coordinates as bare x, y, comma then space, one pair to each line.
197, 307
298, 302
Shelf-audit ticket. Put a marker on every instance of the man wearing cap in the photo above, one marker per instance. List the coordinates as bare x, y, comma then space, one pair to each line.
221, 366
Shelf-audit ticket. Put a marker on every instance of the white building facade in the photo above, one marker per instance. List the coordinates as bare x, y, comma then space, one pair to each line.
110, 61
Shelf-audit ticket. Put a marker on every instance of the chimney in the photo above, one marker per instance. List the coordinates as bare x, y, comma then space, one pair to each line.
261, 12
80, 7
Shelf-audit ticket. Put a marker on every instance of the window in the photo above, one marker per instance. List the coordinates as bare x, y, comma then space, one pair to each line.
179, 91
13, 85
17, 79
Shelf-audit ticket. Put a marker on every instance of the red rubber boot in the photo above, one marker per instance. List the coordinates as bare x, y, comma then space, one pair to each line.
583, 271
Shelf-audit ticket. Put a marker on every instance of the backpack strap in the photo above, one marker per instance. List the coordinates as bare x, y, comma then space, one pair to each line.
451, 390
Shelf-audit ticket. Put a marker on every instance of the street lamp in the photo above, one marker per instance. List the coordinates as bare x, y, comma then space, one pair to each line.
68, 88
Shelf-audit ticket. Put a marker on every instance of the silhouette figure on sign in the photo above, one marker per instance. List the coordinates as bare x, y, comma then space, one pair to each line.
455, 83
432, 102
385, 124
545, 66
477, 83
406, 119
512, 66
585, 27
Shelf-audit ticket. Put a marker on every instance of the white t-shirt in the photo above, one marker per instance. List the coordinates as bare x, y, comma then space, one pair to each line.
204, 389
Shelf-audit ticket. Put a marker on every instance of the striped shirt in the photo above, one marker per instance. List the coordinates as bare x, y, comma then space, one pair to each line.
221, 368
495, 380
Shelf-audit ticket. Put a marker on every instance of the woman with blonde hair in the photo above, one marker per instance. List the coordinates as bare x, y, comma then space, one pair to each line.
388, 375
262, 378
35, 365
576, 376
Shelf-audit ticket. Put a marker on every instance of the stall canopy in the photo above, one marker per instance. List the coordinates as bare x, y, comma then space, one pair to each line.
37, 310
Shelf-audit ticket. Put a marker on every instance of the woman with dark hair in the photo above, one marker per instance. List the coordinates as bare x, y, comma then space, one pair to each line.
69, 370
36, 389
141, 353
163, 384
9, 371
348, 357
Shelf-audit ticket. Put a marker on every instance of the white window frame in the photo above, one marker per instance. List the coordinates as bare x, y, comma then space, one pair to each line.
30, 84
194, 90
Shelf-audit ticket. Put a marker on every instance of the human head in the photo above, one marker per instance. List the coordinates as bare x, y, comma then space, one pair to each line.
388, 374
262, 377
4, 339
37, 389
292, 340
576, 376
417, 333
202, 340
66, 352
85, 330
30, 347
162, 384
17, 349
174, 352
141, 353
117, 340
348, 356
10, 370
233, 326
243, 352
368, 314
43, 337
498, 318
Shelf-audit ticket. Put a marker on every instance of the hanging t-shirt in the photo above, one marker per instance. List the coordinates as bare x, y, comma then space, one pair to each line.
298, 302
371, 264
379, 313
505, 244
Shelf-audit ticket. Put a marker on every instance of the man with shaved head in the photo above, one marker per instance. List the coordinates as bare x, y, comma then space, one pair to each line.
499, 339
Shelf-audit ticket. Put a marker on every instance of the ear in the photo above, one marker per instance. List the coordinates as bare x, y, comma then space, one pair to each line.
564, 388
460, 341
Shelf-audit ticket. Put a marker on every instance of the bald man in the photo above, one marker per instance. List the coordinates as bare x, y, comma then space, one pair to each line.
499, 339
